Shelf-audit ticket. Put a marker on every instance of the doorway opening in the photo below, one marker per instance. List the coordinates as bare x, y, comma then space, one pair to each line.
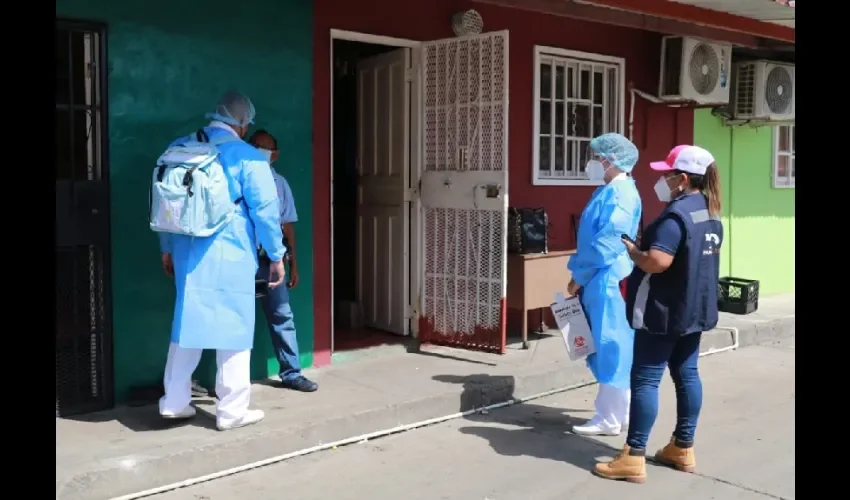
371, 131
82, 238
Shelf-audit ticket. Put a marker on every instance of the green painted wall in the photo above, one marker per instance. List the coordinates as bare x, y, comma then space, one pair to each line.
169, 61
758, 219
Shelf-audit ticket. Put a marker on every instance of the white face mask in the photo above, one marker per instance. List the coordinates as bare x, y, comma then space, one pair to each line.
595, 170
662, 189
267, 154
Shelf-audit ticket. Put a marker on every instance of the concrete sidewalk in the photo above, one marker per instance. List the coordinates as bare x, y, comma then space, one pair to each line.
745, 450
122, 451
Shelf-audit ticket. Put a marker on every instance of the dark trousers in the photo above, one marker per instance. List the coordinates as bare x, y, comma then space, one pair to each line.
652, 353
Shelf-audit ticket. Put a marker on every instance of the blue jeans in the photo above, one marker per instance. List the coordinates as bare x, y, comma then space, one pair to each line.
652, 354
281, 323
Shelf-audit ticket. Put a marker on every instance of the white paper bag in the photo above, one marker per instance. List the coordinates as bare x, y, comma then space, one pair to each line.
573, 325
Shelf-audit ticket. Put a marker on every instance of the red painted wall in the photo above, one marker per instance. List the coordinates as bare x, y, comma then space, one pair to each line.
656, 129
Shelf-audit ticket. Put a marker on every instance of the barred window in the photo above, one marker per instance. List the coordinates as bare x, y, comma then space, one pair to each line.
577, 97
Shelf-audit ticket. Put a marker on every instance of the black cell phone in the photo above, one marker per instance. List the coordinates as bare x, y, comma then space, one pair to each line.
628, 238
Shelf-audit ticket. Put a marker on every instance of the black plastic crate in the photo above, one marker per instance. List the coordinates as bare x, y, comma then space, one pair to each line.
738, 295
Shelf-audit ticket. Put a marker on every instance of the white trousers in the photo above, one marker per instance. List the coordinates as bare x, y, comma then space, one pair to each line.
232, 382
612, 406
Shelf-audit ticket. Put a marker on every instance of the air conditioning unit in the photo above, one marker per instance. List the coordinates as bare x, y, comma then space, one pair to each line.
763, 90
694, 70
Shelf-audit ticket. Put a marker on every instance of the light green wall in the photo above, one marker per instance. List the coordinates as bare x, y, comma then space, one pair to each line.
758, 219
168, 63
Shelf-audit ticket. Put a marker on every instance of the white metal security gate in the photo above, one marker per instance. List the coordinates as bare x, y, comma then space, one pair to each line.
463, 190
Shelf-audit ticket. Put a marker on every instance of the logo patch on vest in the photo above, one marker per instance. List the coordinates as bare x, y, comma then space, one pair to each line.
712, 244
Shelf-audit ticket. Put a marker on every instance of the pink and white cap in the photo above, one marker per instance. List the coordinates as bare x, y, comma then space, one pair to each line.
691, 159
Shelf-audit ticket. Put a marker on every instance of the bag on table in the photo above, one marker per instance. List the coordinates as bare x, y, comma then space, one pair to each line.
528, 231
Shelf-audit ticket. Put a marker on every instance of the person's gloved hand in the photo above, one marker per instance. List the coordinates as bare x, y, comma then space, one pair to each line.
276, 274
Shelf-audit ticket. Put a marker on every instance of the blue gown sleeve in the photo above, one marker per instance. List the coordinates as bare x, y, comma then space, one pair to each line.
260, 194
605, 246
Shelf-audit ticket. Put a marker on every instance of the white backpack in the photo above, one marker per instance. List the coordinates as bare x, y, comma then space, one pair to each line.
189, 189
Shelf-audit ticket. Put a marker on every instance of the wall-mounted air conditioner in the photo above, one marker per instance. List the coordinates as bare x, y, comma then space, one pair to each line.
694, 70
763, 90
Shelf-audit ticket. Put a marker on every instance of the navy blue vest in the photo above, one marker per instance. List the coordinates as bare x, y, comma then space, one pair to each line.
682, 299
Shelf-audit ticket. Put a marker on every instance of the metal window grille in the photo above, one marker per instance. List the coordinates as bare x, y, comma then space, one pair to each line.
579, 100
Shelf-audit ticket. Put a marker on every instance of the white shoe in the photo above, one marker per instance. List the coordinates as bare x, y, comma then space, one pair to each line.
250, 417
187, 412
596, 429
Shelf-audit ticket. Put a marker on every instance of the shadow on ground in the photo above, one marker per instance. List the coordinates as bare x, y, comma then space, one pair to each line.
146, 418
529, 422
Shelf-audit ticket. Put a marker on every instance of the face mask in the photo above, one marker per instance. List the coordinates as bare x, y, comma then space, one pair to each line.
663, 191
595, 170
266, 154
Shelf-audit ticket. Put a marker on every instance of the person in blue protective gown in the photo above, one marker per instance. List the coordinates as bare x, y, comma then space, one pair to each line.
214, 277
600, 263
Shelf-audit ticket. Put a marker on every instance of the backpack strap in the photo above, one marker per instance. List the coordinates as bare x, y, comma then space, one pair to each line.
224, 139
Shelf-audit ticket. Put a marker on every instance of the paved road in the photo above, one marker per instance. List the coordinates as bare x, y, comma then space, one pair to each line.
745, 450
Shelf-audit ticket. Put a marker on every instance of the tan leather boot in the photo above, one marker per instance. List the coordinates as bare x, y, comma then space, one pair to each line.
624, 467
682, 459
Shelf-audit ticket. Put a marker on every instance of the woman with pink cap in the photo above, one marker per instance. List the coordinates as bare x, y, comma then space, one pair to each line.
671, 298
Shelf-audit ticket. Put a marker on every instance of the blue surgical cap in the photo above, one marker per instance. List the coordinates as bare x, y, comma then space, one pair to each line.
234, 109
616, 149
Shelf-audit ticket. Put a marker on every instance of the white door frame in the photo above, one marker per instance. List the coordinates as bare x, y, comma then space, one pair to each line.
415, 165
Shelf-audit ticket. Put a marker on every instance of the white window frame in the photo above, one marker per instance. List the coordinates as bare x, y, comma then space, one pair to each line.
791, 153
572, 56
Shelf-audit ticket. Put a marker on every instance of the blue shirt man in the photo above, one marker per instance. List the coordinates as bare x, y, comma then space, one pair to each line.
276, 305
